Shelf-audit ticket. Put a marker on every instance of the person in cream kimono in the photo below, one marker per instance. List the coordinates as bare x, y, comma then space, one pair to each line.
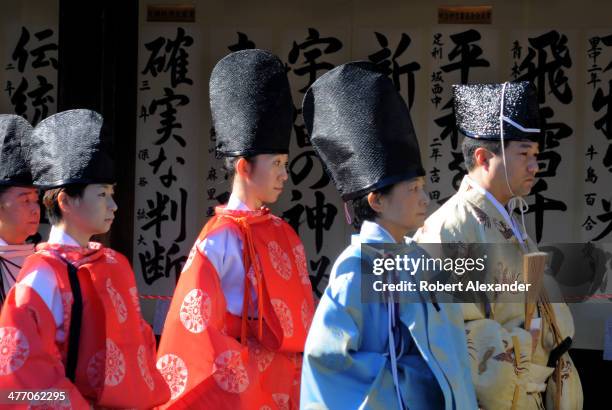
382, 355
513, 367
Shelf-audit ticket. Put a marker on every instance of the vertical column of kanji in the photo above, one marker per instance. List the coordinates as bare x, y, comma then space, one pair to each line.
169, 141
595, 193
396, 53
596, 223
310, 203
29, 70
459, 56
545, 58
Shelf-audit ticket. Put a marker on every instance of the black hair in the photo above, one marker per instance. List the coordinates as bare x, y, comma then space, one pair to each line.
3, 189
229, 164
50, 200
362, 211
470, 145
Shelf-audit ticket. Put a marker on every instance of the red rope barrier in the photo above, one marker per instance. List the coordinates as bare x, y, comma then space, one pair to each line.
582, 298
568, 299
155, 297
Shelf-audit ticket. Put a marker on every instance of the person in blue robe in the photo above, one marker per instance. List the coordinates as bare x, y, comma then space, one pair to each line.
384, 355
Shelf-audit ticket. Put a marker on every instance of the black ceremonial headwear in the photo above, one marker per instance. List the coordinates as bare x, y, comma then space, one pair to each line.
251, 105
481, 108
361, 128
69, 148
14, 166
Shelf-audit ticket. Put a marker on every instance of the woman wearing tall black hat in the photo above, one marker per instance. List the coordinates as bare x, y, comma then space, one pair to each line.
376, 355
72, 325
238, 321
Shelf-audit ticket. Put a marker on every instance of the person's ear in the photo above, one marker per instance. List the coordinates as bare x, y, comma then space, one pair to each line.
65, 203
482, 157
243, 168
375, 201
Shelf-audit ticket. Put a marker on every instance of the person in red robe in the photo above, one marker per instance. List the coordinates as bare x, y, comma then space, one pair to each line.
71, 331
236, 327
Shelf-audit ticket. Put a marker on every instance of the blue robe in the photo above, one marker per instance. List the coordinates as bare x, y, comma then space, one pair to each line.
347, 364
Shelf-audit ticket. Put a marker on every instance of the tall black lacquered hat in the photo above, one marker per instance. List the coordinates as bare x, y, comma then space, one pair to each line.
69, 148
480, 109
14, 165
251, 105
361, 128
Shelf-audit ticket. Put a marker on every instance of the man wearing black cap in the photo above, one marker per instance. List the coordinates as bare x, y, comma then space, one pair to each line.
511, 365
240, 313
376, 355
72, 322
19, 208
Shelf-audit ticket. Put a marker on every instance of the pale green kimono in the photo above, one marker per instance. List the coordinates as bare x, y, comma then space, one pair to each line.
470, 217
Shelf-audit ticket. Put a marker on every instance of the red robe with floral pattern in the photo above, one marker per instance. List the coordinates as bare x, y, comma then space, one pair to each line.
116, 360
213, 359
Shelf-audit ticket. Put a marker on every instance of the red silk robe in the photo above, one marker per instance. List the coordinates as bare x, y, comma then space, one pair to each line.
213, 359
116, 360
